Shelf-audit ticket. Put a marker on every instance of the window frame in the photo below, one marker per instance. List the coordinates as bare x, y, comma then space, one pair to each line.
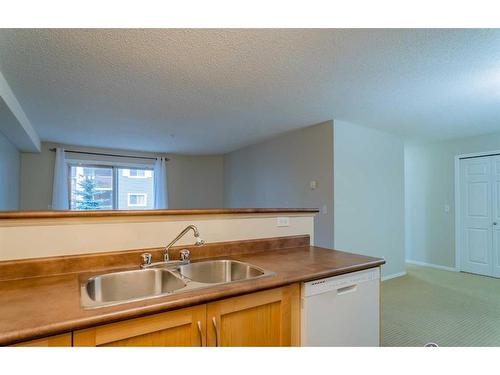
115, 167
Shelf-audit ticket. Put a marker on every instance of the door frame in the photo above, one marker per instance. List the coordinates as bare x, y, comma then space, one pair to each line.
458, 223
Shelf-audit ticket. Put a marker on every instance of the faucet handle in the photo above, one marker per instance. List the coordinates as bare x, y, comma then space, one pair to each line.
147, 259
185, 255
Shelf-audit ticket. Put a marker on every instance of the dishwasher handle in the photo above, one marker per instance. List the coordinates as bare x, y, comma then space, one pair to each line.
347, 289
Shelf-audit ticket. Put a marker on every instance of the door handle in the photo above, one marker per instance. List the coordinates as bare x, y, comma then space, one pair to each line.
214, 322
200, 333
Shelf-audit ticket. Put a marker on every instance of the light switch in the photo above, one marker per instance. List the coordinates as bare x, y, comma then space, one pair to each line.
446, 208
324, 209
313, 184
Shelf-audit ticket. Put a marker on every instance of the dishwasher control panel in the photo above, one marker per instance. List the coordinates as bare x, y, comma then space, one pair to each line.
312, 288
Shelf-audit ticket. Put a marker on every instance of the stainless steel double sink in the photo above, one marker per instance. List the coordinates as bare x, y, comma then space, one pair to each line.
127, 286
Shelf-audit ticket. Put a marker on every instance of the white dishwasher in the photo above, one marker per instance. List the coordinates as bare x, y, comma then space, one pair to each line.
342, 310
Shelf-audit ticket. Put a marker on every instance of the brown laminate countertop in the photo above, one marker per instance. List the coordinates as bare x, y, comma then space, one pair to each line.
158, 212
42, 306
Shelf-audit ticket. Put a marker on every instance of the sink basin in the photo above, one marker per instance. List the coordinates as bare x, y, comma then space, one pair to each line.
220, 271
128, 286
131, 285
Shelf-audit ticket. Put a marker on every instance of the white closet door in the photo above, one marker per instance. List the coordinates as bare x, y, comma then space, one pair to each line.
495, 225
476, 212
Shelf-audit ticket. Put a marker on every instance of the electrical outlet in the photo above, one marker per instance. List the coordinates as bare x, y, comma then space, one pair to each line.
283, 221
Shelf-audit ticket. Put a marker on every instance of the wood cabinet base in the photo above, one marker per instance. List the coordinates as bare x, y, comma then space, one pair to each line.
267, 318
52, 341
182, 327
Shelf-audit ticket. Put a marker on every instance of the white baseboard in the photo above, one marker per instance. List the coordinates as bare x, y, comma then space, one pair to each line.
436, 266
393, 276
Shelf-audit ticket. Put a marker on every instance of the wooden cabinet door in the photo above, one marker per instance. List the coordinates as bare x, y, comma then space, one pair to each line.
267, 318
184, 327
59, 340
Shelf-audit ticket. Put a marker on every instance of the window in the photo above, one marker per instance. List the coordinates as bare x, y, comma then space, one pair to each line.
139, 200
96, 187
134, 182
91, 188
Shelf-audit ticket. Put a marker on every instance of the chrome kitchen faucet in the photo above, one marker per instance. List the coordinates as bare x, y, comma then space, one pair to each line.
185, 254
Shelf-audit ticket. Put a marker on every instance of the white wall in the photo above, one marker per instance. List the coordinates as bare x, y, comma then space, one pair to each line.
277, 173
9, 175
429, 183
369, 194
14, 124
25, 238
193, 181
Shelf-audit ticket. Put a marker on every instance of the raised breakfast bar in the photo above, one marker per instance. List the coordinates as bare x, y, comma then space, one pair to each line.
40, 297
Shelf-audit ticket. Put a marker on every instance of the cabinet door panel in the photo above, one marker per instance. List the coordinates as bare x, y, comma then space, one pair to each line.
52, 341
260, 325
185, 327
174, 336
268, 318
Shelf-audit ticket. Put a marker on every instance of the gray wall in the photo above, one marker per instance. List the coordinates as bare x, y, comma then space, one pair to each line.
37, 175
277, 173
9, 175
193, 181
369, 194
430, 185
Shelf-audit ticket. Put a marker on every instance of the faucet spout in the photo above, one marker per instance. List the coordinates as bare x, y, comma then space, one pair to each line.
196, 234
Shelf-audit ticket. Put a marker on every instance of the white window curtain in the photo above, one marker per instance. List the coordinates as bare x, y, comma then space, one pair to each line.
60, 199
160, 183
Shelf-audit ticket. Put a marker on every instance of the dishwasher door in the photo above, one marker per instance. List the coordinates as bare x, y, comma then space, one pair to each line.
342, 310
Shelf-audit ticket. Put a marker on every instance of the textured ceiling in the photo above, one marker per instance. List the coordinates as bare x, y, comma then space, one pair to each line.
212, 91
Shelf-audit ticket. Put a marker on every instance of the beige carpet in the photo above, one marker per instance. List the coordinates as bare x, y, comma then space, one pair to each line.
448, 308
